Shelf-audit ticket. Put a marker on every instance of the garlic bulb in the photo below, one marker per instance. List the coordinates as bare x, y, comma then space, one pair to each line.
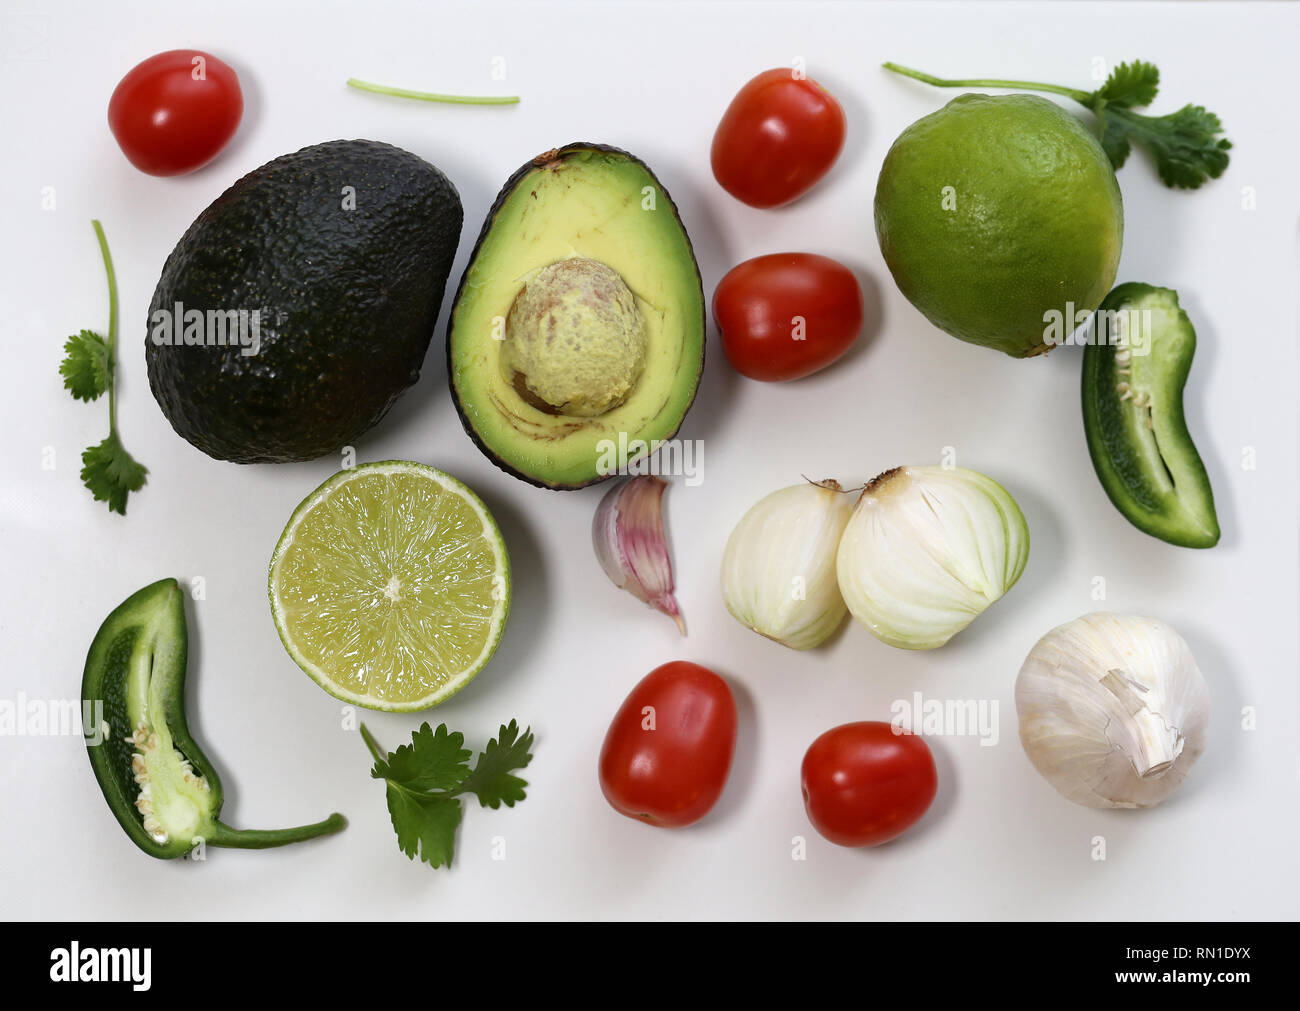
628, 535
927, 550
1113, 710
778, 569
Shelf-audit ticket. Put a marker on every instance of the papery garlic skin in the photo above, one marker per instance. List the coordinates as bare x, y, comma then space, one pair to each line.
628, 535
927, 550
778, 569
1113, 710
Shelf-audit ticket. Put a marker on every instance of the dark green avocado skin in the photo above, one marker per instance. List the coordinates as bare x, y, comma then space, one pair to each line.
348, 300
503, 194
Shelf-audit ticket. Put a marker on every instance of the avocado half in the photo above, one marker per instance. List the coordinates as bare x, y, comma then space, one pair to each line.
340, 254
576, 338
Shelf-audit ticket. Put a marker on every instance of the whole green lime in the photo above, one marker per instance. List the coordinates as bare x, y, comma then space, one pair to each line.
999, 217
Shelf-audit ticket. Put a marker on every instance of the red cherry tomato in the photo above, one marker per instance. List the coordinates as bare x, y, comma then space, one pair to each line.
175, 111
668, 752
780, 134
786, 315
863, 784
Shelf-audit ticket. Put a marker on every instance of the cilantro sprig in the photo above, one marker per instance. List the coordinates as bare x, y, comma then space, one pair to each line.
1185, 144
426, 779
89, 371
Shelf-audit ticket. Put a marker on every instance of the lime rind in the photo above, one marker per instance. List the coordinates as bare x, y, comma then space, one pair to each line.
500, 575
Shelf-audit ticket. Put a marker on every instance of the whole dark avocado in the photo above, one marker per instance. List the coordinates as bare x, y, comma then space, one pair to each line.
333, 260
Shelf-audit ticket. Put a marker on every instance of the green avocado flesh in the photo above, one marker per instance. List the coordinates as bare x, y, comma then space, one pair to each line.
342, 250
1133, 416
577, 335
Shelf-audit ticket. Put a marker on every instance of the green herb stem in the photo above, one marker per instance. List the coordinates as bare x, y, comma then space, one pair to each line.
372, 744
112, 324
430, 96
941, 82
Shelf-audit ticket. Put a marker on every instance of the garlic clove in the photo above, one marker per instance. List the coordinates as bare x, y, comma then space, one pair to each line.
1113, 710
628, 535
778, 568
927, 550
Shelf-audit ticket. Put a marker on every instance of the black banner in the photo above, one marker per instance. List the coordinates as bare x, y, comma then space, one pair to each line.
925, 960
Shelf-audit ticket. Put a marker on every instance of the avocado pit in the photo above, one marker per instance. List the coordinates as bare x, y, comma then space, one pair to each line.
575, 339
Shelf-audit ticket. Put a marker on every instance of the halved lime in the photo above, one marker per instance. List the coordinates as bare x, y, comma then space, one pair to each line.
390, 586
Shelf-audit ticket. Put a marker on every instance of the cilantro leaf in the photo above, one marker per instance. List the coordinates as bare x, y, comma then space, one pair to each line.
85, 367
1114, 139
111, 473
425, 823
424, 781
1130, 85
434, 760
1185, 144
491, 781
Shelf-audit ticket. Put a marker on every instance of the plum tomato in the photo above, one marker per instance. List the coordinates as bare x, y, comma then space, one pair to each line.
175, 111
786, 315
780, 134
667, 755
864, 784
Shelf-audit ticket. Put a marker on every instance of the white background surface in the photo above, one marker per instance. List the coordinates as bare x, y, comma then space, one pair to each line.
999, 842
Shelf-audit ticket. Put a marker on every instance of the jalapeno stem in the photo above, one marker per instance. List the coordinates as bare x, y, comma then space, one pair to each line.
260, 839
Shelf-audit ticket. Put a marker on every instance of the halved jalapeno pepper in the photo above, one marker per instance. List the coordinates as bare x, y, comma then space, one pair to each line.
1133, 377
159, 785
